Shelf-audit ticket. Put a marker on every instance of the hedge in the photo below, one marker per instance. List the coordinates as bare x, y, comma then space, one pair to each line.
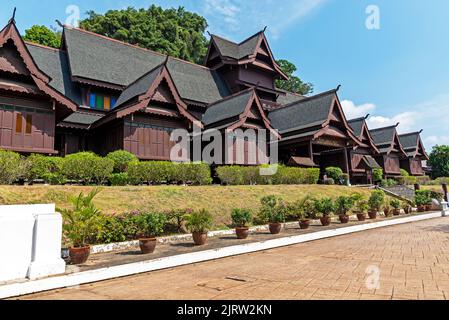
239, 175
121, 159
87, 167
11, 167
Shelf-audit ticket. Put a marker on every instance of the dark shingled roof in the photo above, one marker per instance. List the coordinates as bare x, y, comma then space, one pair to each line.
357, 125
307, 112
289, 98
409, 140
237, 50
227, 108
370, 162
83, 118
383, 136
98, 58
139, 87
54, 63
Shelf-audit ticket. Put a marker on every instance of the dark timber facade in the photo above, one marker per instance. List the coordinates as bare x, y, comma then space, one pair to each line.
98, 94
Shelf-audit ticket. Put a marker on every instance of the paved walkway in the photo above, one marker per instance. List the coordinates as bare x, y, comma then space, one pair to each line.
408, 261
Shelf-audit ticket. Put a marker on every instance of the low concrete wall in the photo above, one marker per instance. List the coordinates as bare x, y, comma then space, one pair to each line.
30, 242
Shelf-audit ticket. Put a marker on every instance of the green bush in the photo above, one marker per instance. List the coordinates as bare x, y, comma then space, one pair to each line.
119, 179
121, 159
46, 168
303, 209
197, 173
376, 200
11, 167
87, 167
117, 229
334, 173
324, 207
423, 197
239, 175
395, 203
273, 210
344, 204
388, 183
241, 217
150, 225
199, 221
378, 175
404, 173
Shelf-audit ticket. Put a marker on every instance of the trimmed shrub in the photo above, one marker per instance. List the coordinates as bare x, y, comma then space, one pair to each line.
230, 175
87, 167
404, 173
121, 159
423, 197
334, 173
45, 168
376, 200
378, 175
119, 179
11, 167
197, 173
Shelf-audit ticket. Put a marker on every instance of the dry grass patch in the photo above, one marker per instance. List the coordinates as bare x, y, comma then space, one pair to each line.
219, 200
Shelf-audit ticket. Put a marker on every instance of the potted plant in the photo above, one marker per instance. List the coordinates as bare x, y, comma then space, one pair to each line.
306, 212
342, 206
241, 218
396, 205
273, 211
387, 209
407, 207
325, 208
81, 225
422, 198
150, 225
375, 202
199, 223
361, 207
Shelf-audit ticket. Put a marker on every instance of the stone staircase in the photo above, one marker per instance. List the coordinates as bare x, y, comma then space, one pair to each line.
401, 192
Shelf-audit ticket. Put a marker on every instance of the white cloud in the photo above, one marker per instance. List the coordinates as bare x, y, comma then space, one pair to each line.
353, 111
407, 121
237, 20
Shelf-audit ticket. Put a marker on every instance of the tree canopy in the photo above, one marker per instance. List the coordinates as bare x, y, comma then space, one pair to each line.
176, 32
43, 35
439, 161
294, 83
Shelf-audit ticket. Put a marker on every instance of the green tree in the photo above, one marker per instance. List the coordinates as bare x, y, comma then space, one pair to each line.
43, 35
439, 161
294, 83
176, 32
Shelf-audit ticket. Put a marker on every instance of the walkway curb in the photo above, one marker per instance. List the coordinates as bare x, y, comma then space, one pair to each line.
33, 286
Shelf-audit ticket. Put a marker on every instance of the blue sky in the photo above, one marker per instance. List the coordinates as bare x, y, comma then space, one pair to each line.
399, 73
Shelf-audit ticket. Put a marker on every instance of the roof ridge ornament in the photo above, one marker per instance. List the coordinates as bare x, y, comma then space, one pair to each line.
13, 18
338, 88
397, 124
59, 23
264, 29
367, 116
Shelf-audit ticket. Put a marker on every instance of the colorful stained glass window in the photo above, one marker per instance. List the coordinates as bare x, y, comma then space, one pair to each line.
107, 103
92, 98
99, 102
28, 127
18, 123
113, 102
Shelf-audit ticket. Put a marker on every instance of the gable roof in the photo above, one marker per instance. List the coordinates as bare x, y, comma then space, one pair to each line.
385, 139
412, 144
360, 128
95, 57
40, 78
308, 112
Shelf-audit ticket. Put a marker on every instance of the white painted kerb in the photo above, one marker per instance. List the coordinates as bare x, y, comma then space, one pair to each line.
30, 241
18, 289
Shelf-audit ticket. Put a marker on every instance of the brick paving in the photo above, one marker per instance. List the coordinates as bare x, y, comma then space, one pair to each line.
411, 261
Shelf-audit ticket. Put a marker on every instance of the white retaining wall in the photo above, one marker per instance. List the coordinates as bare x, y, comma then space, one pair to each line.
30, 242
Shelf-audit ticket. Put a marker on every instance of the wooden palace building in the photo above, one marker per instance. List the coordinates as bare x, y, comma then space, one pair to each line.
99, 94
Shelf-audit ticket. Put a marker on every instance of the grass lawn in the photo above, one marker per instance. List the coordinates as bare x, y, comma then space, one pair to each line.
219, 200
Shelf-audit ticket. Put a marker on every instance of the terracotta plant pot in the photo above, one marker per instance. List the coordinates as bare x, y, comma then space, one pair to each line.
387, 212
304, 224
79, 255
361, 216
344, 218
275, 228
372, 215
147, 245
199, 238
397, 212
407, 210
421, 208
428, 207
326, 220
242, 232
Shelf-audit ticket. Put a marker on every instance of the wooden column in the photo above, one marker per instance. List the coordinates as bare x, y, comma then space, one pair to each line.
444, 185
345, 157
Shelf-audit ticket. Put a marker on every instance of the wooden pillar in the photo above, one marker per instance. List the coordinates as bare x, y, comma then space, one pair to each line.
444, 186
417, 187
345, 157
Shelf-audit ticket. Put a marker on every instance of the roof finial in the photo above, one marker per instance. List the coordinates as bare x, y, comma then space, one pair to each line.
264, 29
367, 116
59, 23
338, 87
210, 35
397, 124
13, 18
166, 60
420, 131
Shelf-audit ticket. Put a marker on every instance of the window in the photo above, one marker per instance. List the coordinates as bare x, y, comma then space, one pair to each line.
101, 101
29, 121
18, 123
